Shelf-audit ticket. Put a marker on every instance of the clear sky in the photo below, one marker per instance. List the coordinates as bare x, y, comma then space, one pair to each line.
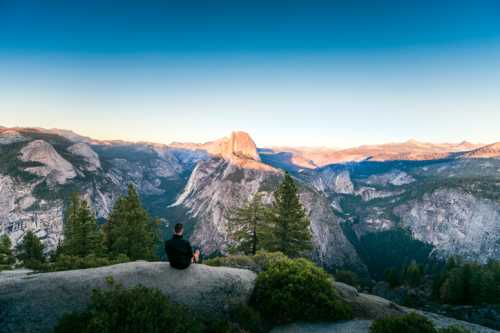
315, 73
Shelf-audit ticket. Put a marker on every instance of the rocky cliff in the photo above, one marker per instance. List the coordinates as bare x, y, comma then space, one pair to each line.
34, 303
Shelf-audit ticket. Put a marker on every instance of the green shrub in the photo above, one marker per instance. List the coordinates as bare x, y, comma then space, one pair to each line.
348, 277
410, 323
256, 263
248, 319
5, 267
137, 309
291, 290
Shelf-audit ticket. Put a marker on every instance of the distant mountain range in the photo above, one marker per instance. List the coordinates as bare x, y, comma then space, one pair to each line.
445, 195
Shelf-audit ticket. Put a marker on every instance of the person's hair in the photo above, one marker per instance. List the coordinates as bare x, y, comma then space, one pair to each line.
178, 228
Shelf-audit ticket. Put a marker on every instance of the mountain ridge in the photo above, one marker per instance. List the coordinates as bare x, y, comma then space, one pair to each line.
196, 184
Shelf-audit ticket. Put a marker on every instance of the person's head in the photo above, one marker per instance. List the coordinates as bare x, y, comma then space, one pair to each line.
197, 251
179, 229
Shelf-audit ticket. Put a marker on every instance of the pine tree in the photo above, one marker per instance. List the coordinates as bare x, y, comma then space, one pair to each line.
129, 230
246, 225
413, 274
81, 232
6, 257
30, 251
289, 226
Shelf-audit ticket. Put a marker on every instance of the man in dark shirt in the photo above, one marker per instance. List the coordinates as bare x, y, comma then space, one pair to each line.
179, 251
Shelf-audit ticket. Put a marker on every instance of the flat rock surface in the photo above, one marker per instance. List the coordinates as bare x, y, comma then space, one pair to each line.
34, 303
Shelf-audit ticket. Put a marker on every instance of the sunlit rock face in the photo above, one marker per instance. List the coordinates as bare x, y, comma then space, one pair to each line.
329, 179
394, 177
21, 212
331, 247
217, 185
88, 154
213, 188
455, 223
54, 165
8, 136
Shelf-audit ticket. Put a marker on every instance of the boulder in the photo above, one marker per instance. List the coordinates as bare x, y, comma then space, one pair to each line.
34, 303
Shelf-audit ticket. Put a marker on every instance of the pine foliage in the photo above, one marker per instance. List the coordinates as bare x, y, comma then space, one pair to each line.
82, 236
30, 251
289, 228
129, 230
246, 225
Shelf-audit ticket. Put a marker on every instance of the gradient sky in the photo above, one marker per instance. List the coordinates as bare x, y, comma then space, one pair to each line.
331, 73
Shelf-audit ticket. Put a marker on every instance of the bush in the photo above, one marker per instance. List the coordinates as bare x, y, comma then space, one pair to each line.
348, 277
138, 309
257, 263
291, 290
248, 319
410, 323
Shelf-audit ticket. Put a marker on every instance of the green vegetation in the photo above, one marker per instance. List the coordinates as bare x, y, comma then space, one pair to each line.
30, 251
81, 233
129, 230
257, 263
137, 309
348, 277
246, 225
392, 250
288, 290
296, 289
410, 323
289, 226
468, 283
129, 235
6, 257
283, 227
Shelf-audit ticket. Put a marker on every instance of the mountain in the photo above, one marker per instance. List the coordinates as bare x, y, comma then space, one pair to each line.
488, 151
410, 150
444, 195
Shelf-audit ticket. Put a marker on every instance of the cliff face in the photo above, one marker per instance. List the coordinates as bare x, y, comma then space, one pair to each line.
213, 187
455, 223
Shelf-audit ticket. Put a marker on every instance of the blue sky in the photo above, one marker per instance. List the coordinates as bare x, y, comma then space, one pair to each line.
329, 73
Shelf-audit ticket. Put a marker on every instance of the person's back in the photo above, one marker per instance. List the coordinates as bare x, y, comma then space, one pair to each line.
179, 251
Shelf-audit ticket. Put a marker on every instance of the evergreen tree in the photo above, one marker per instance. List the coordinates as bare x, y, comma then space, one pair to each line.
246, 225
30, 251
6, 257
289, 226
413, 274
392, 277
81, 232
129, 230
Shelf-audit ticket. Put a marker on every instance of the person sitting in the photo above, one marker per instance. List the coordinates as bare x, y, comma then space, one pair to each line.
179, 251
